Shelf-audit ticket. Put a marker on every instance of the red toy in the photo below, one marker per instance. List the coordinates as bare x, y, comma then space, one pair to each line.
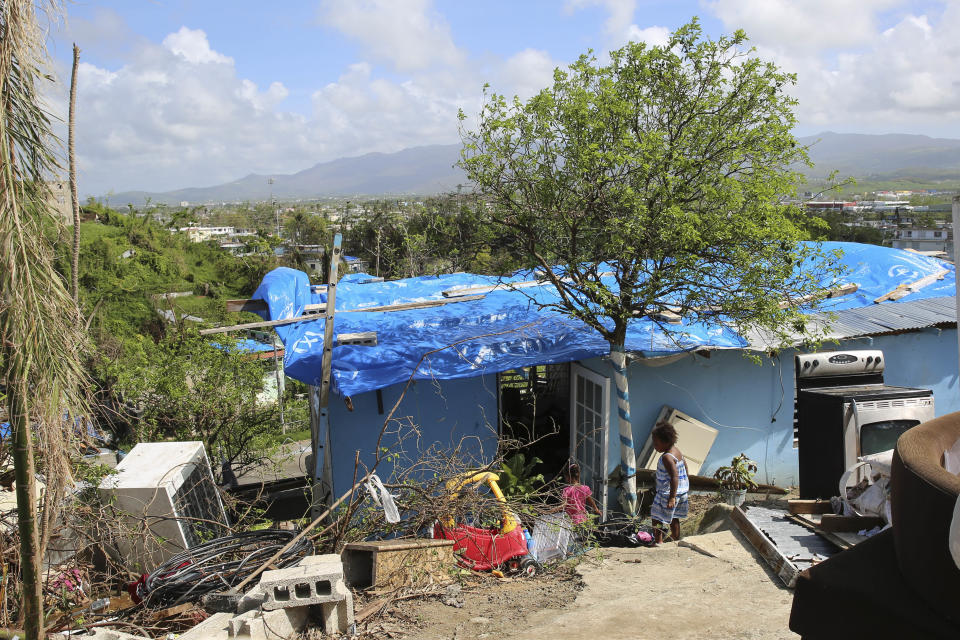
488, 549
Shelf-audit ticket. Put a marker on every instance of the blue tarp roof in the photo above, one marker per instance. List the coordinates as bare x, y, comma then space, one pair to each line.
506, 330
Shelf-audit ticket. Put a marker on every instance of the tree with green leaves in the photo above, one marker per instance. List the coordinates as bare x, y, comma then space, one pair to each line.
41, 340
656, 183
190, 387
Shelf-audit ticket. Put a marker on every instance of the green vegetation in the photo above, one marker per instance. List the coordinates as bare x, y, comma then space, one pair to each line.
668, 168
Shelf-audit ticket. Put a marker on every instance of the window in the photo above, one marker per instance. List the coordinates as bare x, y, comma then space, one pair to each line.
938, 234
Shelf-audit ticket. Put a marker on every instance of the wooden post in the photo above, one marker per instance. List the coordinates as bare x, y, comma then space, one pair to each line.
320, 416
956, 260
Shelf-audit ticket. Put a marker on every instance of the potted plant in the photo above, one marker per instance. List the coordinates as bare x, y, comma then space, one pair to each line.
736, 479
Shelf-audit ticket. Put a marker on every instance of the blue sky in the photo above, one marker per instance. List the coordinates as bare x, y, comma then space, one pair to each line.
174, 93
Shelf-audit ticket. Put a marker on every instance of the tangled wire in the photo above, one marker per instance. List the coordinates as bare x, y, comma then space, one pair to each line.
218, 564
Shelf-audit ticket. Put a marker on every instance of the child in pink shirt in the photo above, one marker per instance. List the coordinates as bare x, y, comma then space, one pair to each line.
577, 496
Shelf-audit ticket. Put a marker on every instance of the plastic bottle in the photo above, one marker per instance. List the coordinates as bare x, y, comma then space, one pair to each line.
529, 539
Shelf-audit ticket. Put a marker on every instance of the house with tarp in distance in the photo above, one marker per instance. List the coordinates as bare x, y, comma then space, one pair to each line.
486, 362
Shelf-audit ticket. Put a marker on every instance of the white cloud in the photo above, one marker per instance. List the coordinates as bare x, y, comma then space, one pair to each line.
406, 34
810, 25
192, 44
528, 71
853, 72
619, 27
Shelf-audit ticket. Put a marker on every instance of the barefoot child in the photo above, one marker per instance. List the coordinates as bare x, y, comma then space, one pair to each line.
672, 484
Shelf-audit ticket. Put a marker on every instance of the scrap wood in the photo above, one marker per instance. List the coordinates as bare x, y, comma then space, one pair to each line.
826, 535
797, 507
834, 523
907, 288
170, 612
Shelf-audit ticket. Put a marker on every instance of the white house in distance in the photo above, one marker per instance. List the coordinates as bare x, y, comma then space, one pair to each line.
924, 239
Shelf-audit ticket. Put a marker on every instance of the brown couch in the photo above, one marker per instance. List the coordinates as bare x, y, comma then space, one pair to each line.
902, 582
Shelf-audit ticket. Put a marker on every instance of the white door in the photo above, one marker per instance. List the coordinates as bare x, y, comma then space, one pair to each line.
589, 429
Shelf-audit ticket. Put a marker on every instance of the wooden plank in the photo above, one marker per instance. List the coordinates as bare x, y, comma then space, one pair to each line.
784, 569
834, 523
260, 305
907, 288
826, 535
327, 358
257, 325
251, 306
809, 506
832, 293
666, 316
504, 286
321, 307
425, 304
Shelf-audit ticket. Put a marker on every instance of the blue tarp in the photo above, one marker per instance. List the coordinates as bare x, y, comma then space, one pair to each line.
506, 330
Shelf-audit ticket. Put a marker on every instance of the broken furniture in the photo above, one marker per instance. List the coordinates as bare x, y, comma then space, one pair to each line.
844, 411
697, 439
402, 562
902, 582
166, 501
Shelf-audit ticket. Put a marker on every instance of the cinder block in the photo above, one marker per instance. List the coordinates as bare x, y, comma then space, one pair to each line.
314, 583
216, 627
337, 616
269, 625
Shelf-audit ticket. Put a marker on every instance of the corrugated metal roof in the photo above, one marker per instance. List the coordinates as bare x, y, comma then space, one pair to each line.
886, 317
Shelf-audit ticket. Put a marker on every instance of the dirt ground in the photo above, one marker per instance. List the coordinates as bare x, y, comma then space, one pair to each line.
672, 591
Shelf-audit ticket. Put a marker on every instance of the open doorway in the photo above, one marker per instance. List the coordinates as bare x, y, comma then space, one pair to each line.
535, 411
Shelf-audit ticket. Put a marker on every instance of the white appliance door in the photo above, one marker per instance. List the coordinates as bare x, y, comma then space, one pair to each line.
872, 426
589, 429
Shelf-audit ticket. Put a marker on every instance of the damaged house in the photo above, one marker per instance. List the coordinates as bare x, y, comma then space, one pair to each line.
486, 362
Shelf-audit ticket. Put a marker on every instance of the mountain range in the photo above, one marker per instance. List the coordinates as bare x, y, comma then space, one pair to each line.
430, 170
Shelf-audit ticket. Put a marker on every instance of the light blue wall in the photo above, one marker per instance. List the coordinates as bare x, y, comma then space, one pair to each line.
456, 412
753, 410
748, 403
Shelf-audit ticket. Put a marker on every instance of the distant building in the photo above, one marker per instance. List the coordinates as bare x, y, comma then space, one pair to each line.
924, 239
201, 234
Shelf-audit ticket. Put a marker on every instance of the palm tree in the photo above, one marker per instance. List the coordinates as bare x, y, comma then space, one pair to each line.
41, 341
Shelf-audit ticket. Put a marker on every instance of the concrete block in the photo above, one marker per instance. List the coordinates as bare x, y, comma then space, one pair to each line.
102, 633
269, 625
216, 627
316, 582
337, 616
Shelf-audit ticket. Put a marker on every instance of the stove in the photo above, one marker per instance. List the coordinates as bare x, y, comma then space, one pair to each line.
845, 410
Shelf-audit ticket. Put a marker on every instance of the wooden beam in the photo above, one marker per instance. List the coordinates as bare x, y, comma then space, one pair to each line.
809, 506
833, 538
834, 523
907, 288
504, 286
326, 361
257, 325
251, 306
785, 570
321, 307
836, 292
260, 305
413, 305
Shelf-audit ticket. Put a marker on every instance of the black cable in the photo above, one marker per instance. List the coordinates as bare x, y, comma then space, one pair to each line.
218, 565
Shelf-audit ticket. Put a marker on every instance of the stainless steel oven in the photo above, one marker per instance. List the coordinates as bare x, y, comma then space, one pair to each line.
844, 410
